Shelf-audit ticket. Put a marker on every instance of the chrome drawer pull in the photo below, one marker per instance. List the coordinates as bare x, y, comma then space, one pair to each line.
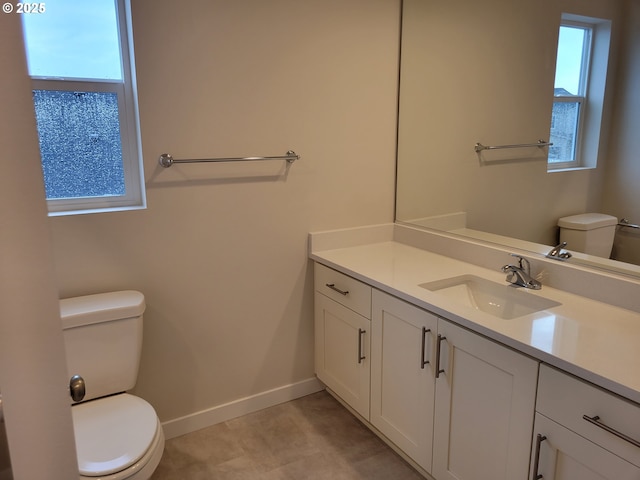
438, 348
596, 421
423, 362
361, 357
333, 287
536, 461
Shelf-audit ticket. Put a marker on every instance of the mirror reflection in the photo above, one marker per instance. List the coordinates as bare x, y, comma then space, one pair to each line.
492, 73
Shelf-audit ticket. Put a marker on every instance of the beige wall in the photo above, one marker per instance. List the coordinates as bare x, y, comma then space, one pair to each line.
622, 192
33, 377
220, 252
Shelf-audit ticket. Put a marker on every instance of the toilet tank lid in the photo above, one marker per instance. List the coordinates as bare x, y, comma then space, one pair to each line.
587, 221
101, 307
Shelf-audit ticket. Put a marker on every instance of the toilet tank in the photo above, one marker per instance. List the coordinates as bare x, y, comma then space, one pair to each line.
590, 233
626, 245
103, 340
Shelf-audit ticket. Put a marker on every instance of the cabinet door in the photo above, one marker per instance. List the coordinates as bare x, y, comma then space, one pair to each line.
485, 400
565, 455
342, 341
402, 377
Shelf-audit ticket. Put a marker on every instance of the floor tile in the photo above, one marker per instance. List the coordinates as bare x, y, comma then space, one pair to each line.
311, 438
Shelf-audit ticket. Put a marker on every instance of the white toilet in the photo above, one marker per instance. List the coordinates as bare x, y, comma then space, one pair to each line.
118, 435
590, 233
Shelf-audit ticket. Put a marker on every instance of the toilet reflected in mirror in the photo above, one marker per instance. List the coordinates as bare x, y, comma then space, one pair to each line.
590, 233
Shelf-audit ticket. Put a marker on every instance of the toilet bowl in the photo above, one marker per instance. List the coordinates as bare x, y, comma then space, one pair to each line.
118, 435
590, 233
130, 440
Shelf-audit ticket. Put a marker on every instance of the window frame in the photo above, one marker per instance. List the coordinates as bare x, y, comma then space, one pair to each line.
125, 89
591, 127
581, 98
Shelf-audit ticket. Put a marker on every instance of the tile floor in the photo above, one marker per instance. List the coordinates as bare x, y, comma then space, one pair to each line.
312, 438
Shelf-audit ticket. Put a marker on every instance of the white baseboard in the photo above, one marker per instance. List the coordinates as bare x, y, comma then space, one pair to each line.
221, 413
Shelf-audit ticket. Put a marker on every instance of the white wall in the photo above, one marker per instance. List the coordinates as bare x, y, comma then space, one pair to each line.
220, 253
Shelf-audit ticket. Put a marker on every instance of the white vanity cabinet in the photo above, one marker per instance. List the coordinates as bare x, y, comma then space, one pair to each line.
343, 336
460, 405
402, 375
582, 432
484, 407
491, 388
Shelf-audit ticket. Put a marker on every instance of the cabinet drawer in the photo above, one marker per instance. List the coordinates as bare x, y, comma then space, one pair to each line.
566, 400
562, 454
345, 290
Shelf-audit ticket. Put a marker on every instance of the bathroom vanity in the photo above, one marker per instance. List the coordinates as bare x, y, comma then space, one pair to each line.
544, 386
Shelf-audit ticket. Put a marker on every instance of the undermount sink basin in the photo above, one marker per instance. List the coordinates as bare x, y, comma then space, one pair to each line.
503, 301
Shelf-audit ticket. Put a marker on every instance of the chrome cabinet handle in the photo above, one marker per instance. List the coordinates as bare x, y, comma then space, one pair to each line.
596, 421
536, 459
361, 357
424, 362
333, 287
438, 348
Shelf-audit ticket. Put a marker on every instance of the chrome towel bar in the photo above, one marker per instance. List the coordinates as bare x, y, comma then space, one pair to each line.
541, 143
166, 159
626, 223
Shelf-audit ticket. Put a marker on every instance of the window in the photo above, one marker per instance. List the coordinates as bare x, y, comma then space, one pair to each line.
581, 69
570, 87
80, 61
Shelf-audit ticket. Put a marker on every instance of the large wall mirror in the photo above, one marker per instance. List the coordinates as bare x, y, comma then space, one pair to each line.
482, 71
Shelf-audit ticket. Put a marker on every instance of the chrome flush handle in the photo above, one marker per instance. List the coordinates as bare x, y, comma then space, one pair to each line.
77, 388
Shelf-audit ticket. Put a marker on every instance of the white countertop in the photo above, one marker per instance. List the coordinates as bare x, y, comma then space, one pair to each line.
590, 339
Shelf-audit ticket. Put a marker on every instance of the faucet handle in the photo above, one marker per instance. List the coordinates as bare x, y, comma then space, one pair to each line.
523, 263
557, 252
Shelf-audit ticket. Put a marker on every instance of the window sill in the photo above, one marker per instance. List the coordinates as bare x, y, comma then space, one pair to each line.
63, 213
569, 169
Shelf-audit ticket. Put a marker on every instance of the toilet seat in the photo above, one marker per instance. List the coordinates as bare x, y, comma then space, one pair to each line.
116, 434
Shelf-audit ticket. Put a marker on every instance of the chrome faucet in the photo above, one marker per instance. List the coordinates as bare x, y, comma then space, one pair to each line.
558, 254
521, 275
